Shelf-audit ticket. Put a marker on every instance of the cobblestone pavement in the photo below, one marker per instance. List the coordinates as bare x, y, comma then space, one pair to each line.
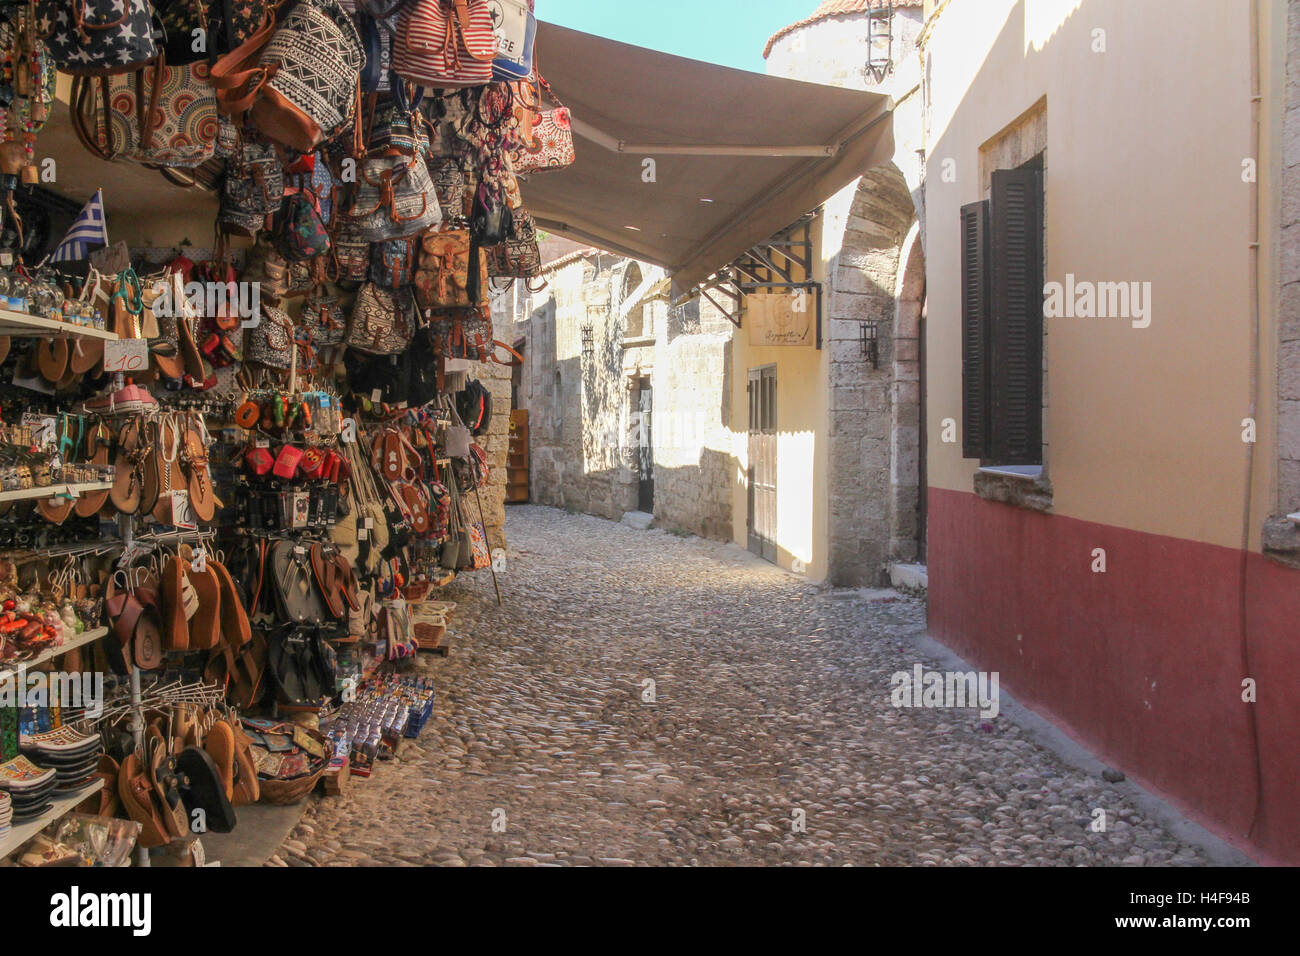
771, 703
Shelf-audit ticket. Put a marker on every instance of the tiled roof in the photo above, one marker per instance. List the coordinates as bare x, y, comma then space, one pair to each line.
833, 8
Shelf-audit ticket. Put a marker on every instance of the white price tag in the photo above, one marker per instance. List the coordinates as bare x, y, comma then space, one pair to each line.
44, 428
182, 515
129, 555
126, 355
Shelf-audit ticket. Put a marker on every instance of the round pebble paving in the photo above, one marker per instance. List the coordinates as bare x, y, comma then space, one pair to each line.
648, 699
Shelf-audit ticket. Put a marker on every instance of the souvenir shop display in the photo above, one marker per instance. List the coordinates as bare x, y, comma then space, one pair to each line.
234, 480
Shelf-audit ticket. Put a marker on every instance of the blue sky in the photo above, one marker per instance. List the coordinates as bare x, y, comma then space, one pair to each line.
729, 32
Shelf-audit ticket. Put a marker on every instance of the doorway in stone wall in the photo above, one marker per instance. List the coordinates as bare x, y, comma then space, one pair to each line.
643, 451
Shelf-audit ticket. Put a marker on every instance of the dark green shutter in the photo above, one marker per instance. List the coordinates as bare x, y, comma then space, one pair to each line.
1016, 304
975, 378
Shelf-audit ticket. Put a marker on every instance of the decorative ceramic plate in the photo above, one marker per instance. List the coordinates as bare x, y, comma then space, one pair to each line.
21, 774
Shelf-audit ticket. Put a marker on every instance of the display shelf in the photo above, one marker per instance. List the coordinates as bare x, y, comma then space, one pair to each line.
20, 323
54, 491
23, 832
77, 640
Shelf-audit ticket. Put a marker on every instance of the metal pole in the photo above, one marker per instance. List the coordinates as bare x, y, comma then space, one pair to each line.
126, 523
491, 564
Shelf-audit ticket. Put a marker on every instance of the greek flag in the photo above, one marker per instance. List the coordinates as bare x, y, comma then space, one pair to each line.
89, 231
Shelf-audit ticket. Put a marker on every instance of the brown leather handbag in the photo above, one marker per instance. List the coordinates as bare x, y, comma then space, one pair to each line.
443, 279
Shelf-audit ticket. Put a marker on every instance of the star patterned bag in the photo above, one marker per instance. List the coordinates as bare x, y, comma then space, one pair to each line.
97, 37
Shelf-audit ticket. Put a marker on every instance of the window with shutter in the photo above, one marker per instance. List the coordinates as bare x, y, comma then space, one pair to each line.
1002, 321
975, 330
1016, 303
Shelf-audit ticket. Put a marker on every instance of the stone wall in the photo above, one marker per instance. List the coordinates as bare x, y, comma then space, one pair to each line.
694, 468
863, 280
834, 51
497, 439
583, 423
874, 413
1281, 537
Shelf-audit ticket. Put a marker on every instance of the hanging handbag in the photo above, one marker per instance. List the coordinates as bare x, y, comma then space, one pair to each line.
298, 81
552, 140
450, 185
394, 198
351, 250
392, 262
97, 37
323, 315
457, 535
492, 220
301, 229
516, 28
520, 256
445, 43
266, 267
271, 341
480, 558
444, 278
525, 114
456, 436
398, 126
381, 323
231, 22
252, 190
180, 19
161, 115
377, 42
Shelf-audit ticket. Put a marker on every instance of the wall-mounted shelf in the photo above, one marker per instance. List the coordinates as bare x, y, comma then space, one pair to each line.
20, 323
88, 636
23, 832
55, 491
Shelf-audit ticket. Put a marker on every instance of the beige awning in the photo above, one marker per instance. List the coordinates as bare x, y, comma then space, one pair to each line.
761, 150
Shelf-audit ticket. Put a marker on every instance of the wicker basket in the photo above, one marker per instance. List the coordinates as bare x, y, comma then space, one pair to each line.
283, 792
429, 620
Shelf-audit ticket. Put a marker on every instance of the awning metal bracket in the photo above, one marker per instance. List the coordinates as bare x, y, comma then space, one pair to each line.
784, 262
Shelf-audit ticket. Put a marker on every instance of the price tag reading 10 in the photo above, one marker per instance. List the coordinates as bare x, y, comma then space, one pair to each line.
126, 355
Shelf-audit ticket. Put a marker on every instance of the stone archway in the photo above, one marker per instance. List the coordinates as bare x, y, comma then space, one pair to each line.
907, 453
874, 409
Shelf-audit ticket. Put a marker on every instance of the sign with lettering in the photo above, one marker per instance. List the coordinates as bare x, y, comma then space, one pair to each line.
787, 317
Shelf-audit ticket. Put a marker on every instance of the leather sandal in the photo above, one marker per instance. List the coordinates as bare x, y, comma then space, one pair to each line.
52, 358
241, 672
128, 479
220, 746
151, 468
235, 628
165, 783
85, 354
295, 586
325, 572
106, 802
178, 593
194, 458
247, 788
98, 440
170, 476
205, 625
202, 787
56, 509
136, 793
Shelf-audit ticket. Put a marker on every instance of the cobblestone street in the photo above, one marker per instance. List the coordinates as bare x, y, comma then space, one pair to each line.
771, 697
